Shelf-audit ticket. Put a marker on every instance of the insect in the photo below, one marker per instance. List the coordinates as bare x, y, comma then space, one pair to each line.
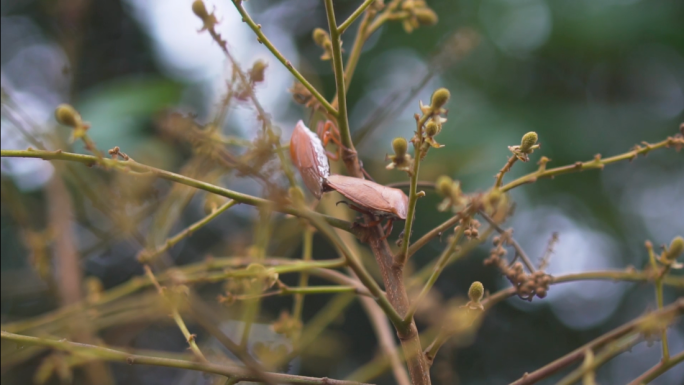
311, 159
371, 198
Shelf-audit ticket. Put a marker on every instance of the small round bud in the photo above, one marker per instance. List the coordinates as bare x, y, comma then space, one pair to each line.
425, 16
444, 184
67, 115
400, 146
431, 129
321, 37
257, 71
440, 98
676, 249
199, 9
476, 291
528, 140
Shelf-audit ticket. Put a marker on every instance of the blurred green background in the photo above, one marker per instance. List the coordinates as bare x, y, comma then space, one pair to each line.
589, 76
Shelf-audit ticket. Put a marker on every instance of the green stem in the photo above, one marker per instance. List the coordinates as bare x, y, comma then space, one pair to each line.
400, 259
658, 369
307, 242
133, 167
147, 256
343, 27
264, 40
342, 118
439, 267
591, 164
107, 354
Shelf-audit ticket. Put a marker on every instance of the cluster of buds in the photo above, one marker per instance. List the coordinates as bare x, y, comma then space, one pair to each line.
322, 39
652, 326
527, 285
67, 115
434, 124
471, 227
287, 325
452, 193
416, 13
527, 146
670, 254
401, 160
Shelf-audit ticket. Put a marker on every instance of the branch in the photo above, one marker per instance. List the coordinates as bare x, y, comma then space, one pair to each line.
519, 250
343, 27
657, 370
596, 163
133, 167
578, 354
101, 353
264, 40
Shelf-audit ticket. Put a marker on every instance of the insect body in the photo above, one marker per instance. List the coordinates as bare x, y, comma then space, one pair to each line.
371, 198
310, 158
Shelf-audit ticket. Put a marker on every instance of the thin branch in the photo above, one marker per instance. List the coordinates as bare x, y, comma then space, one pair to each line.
146, 256
264, 40
657, 370
578, 354
596, 163
135, 167
189, 337
343, 27
519, 250
101, 353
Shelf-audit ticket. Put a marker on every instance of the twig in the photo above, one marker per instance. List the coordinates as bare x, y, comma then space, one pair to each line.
592, 164
131, 165
577, 354
519, 250
343, 27
264, 40
189, 337
146, 256
102, 353
657, 370
547, 253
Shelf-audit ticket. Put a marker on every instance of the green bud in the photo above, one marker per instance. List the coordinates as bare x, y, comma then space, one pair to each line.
676, 249
321, 37
431, 129
476, 291
400, 146
528, 140
199, 9
67, 115
440, 98
444, 184
425, 16
257, 71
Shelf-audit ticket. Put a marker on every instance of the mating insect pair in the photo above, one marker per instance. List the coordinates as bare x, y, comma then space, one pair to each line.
311, 159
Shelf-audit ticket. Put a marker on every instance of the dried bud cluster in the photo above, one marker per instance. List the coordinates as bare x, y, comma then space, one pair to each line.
527, 285
208, 19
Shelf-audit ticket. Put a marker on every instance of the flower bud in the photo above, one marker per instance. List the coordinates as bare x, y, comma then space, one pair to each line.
321, 37
476, 291
440, 98
199, 9
528, 141
257, 71
431, 129
67, 115
444, 184
400, 146
425, 16
676, 249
